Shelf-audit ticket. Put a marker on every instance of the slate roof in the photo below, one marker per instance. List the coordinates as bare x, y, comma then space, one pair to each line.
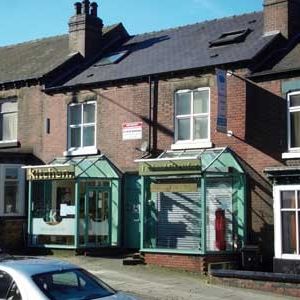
181, 48
281, 61
33, 59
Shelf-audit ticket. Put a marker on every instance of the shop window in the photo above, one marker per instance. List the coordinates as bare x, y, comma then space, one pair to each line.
287, 221
12, 187
82, 128
192, 118
8, 120
53, 212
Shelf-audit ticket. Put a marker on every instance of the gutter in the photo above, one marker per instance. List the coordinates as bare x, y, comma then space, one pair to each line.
144, 77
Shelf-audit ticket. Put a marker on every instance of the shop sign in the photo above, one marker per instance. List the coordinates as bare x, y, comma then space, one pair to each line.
222, 100
51, 173
132, 131
170, 167
174, 187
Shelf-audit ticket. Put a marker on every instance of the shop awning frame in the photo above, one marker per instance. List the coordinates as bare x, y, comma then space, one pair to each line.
85, 166
206, 161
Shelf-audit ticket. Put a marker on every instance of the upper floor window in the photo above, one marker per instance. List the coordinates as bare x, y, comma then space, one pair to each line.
82, 127
192, 116
12, 190
8, 120
294, 120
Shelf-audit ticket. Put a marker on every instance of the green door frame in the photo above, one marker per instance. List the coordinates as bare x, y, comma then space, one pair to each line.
86, 209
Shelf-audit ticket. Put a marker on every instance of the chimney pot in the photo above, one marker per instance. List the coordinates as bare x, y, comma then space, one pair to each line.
85, 30
78, 8
94, 7
86, 7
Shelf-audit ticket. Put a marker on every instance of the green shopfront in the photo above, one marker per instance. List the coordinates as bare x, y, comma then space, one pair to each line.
193, 203
74, 203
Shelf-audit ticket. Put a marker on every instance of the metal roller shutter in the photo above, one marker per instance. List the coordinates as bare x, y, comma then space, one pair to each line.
178, 220
219, 195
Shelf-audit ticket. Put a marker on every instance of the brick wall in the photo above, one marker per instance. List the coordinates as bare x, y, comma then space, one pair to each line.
283, 16
12, 234
192, 263
284, 289
258, 141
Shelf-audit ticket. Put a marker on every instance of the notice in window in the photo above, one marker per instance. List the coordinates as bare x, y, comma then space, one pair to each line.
132, 131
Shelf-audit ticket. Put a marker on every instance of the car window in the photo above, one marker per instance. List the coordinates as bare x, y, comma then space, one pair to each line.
5, 282
75, 284
8, 288
14, 293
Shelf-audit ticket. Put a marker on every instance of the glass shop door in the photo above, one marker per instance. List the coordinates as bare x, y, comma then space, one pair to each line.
98, 217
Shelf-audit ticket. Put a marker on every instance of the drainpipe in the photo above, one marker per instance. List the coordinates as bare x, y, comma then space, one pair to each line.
150, 116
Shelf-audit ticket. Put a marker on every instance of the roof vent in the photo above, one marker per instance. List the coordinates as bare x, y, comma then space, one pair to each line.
230, 37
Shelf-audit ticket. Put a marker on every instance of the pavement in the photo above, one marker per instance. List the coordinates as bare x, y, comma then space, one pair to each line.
151, 282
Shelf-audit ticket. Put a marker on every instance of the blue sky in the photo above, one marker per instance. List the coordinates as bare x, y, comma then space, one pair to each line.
23, 20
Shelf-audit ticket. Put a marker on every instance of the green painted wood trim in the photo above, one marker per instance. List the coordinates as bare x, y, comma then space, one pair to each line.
29, 226
119, 211
114, 222
171, 251
77, 216
142, 212
203, 213
290, 85
244, 231
86, 218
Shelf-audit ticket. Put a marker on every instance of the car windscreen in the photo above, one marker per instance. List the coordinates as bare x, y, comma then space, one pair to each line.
75, 284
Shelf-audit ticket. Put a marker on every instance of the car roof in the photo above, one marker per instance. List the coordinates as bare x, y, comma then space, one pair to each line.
29, 266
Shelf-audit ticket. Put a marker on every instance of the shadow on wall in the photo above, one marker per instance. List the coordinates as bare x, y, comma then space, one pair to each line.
266, 128
157, 127
260, 226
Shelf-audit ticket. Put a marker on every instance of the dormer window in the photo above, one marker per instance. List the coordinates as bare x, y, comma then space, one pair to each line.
111, 58
230, 37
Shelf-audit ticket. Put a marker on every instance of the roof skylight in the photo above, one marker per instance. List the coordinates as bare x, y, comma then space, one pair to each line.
230, 37
111, 58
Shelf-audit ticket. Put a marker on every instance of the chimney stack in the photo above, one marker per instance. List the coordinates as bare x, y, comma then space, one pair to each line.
282, 16
85, 29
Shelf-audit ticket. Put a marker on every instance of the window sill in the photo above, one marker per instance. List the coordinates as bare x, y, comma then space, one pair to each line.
289, 155
191, 145
9, 144
81, 151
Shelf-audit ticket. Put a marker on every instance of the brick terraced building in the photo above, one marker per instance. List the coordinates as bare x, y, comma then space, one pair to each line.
126, 142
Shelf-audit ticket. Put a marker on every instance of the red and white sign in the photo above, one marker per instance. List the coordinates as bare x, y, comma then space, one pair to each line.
132, 131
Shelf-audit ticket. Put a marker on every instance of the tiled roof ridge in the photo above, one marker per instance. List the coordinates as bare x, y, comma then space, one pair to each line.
197, 23
37, 40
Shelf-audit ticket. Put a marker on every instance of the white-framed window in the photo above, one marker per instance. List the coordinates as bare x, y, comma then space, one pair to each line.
287, 221
8, 120
12, 185
82, 128
192, 118
293, 100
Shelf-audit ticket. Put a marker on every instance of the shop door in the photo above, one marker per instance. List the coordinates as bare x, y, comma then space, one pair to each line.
132, 211
98, 217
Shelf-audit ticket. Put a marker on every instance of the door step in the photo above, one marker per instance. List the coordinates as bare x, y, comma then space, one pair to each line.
133, 260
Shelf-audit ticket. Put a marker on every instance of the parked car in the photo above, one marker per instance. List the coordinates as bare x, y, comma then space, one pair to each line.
23, 278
